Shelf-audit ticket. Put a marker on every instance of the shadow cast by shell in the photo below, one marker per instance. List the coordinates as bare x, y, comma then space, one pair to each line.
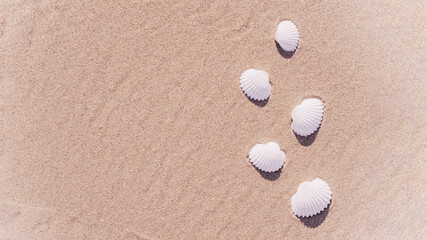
257, 103
271, 176
308, 140
316, 220
284, 53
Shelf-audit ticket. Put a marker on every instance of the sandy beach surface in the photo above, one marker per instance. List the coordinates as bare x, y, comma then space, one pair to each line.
125, 120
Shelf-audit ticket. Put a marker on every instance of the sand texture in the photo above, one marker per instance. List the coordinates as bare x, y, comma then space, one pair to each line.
125, 120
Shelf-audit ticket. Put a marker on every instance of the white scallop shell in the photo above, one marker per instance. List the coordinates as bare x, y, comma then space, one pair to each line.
255, 84
287, 36
267, 157
311, 198
307, 117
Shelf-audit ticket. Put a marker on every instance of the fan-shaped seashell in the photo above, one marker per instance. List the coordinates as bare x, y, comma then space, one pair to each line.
311, 198
255, 84
267, 157
287, 36
307, 117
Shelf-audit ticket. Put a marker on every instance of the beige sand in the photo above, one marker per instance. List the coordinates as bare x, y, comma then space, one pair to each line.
124, 119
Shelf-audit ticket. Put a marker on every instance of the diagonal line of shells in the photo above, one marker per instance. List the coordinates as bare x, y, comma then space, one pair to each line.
312, 197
